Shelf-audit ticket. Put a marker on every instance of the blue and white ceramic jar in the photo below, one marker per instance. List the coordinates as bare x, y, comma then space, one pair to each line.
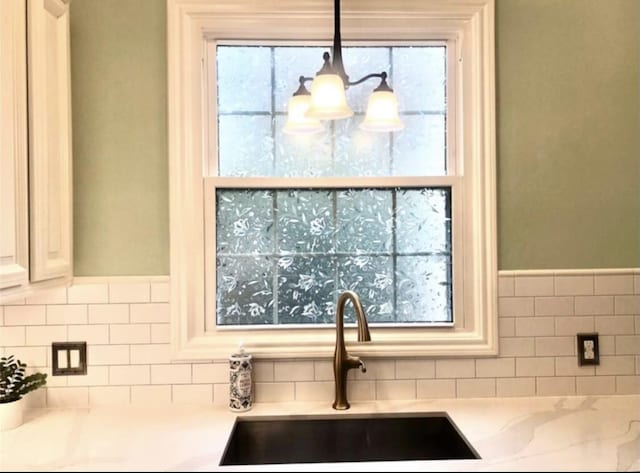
240, 381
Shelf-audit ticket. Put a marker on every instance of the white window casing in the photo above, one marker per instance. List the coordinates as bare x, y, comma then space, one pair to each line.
468, 28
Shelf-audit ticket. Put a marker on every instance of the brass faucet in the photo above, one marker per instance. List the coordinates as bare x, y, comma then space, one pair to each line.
342, 361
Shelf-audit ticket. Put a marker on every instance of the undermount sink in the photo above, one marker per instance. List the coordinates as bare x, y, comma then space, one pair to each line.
345, 438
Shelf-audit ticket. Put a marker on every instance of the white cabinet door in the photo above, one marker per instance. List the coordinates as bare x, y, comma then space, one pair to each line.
50, 171
14, 236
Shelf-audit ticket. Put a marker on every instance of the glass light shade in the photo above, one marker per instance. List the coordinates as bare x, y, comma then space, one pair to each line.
382, 112
328, 98
297, 122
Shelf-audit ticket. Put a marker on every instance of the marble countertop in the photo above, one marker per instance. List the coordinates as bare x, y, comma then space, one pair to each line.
600, 433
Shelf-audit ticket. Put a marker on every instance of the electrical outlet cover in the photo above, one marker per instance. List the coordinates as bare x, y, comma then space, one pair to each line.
588, 350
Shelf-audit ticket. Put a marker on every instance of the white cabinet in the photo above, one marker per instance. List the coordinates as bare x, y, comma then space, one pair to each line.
35, 146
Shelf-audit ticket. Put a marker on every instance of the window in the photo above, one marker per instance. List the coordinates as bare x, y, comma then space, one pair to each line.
267, 229
283, 256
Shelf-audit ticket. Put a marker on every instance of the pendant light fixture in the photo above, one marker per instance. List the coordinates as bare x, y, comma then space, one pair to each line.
328, 101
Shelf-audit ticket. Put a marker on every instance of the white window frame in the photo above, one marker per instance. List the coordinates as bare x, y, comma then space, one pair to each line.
467, 24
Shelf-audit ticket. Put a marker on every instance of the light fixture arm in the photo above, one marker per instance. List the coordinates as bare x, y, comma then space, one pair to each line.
338, 65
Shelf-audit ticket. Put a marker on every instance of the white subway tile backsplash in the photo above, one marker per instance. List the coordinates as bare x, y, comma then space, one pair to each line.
213, 373
129, 356
415, 369
32, 356
535, 326
574, 325
555, 346
92, 334
315, 391
627, 305
129, 375
25, 315
435, 388
67, 397
495, 368
130, 333
151, 395
594, 305
221, 394
627, 384
12, 336
574, 285
150, 354
568, 366
56, 295
71, 314
36, 399
160, 292
192, 394
361, 391
96, 376
109, 395
274, 392
506, 287
395, 389
108, 313
460, 368
506, 327
535, 366
88, 294
614, 284
516, 306
517, 346
612, 365
553, 306
534, 286
627, 344
467, 388
293, 371
556, 386
149, 313
376, 369
615, 325
46, 334
107, 355
160, 333
323, 370
588, 385
171, 374
129, 292
512, 387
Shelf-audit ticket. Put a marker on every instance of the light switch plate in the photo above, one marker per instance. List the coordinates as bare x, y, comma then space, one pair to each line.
68, 358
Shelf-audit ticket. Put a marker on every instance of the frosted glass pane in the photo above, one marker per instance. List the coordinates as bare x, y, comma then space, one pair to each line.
423, 289
306, 287
419, 75
360, 153
371, 277
244, 79
359, 62
244, 290
245, 145
365, 222
291, 63
420, 149
244, 221
303, 155
423, 221
305, 221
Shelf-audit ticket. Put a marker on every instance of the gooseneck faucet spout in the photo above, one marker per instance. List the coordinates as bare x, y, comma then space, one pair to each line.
342, 361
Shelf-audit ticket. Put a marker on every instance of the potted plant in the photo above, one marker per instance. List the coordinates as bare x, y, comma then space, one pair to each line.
14, 384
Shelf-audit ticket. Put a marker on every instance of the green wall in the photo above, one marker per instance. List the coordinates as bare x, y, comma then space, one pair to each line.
119, 102
568, 135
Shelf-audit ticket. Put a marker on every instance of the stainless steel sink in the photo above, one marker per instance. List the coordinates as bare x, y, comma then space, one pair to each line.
345, 438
